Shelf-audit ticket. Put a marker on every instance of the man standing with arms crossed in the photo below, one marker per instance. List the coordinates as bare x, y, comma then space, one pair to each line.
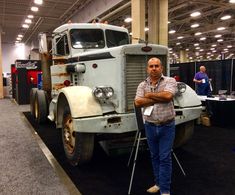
156, 94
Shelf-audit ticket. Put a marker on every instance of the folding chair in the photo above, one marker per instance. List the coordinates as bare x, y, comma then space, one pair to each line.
138, 138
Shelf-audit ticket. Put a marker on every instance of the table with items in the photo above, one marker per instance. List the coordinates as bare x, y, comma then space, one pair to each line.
220, 110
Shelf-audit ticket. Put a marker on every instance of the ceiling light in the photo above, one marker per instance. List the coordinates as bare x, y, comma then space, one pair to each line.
28, 21
130, 33
169, 48
178, 43
128, 20
39, 2
197, 33
180, 37
197, 48
34, 9
202, 38
214, 45
217, 36
201, 50
225, 49
20, 35
195, 14
146, 29
220, 40
220, 28
194, 25
196, 44
213, 51
231, 1
18, 38
208, 53
212, 48
168, 22
225, 17
25, 26
30, 16
171, 31
229, 46
187, 49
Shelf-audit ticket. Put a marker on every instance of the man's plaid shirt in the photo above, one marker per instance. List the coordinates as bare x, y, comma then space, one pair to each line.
162, 111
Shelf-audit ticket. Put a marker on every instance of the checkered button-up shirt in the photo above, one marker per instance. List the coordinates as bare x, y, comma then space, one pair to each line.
162, 111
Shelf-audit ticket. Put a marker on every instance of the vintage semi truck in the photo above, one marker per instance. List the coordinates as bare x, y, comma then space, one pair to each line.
93, 78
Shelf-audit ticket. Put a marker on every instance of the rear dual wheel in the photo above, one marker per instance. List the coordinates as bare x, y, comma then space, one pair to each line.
32, 96
39, 105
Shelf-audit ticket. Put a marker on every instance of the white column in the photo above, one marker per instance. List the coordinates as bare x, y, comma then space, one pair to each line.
1, 79
158, 22
138, 20
183, 57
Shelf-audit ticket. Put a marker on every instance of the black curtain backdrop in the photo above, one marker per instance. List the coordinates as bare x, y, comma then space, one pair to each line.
222, 73
184, 71
233, 77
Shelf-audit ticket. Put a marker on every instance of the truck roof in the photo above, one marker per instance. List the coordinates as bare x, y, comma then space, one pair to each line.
69, 26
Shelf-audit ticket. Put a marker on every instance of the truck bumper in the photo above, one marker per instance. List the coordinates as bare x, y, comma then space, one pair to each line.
187, 114
124, 123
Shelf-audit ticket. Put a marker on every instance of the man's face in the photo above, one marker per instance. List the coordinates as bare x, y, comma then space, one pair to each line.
203, 69
154, 68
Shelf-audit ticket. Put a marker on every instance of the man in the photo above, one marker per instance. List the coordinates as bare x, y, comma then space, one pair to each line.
202, 82
156, 94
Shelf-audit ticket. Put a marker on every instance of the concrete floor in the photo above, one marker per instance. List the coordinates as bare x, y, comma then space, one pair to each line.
26, 165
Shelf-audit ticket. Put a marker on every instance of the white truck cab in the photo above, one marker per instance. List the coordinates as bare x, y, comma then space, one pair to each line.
94, 77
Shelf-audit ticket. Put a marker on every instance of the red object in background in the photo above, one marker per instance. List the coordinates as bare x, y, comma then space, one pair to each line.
13, 69
32, 76
177, 78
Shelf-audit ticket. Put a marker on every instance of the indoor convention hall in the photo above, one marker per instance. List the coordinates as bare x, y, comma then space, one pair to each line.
117, 97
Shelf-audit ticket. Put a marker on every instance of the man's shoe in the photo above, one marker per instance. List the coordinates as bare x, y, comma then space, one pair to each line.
154, 189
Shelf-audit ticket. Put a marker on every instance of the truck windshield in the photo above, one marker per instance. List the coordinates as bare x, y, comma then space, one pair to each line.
116, 38
87, 38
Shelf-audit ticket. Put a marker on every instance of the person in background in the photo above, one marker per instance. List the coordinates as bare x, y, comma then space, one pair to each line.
202, 82
155, 95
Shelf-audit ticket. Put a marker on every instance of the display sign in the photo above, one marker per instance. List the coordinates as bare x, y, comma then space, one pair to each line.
28, 64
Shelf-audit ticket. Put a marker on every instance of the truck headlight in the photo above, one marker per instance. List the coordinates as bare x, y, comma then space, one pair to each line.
103, 92
181, 87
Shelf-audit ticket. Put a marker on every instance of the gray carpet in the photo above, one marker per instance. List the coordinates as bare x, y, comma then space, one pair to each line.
23, 167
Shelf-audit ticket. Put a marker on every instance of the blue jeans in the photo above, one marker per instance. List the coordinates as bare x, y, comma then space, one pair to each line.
160, 141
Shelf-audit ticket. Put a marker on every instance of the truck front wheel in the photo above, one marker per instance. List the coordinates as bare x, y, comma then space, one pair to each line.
183, 133
78, 147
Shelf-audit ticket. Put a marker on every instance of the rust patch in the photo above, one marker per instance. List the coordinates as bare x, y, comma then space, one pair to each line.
58, 86
60, 74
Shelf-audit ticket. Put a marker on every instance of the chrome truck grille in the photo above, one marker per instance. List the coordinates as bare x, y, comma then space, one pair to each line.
135, 73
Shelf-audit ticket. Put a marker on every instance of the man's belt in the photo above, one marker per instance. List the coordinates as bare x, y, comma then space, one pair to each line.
161, 122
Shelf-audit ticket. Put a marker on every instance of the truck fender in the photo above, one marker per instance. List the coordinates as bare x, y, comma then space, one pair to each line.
81, 103
188, 98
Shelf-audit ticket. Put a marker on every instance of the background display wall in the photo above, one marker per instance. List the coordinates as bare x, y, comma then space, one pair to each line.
222, 73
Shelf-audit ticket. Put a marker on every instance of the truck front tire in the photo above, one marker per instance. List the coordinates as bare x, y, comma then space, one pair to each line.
78, 147
183, 133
